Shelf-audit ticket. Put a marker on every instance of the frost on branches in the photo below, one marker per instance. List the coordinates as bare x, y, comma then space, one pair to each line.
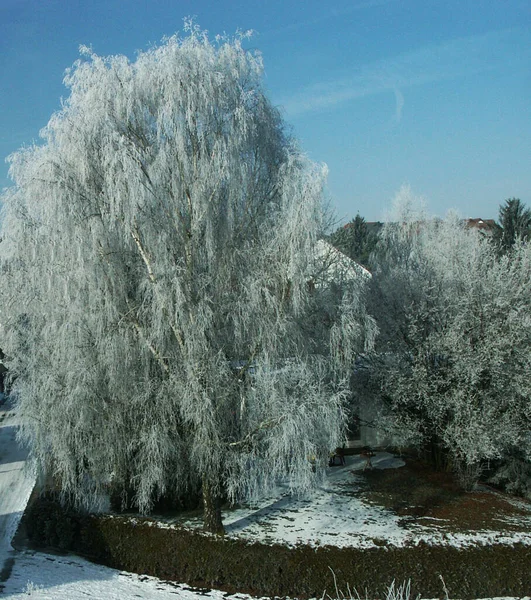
160, 314
455, 323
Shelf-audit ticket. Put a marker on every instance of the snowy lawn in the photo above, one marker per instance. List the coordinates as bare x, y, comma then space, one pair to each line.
340, 514
50, 577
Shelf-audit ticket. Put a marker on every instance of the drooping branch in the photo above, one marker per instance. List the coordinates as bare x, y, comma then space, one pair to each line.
136, 237
249, 440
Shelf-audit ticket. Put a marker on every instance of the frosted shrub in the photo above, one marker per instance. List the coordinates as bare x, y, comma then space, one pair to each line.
455, 322
514, 474
393, 592
31, 589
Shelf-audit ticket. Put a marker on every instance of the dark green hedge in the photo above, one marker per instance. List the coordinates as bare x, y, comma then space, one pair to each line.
140, 546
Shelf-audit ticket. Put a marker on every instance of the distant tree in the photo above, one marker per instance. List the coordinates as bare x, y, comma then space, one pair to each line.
514, 223
453, 352
355, 240
157, 257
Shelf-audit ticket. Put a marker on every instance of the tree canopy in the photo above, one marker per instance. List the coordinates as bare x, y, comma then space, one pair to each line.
157, 253
453, 351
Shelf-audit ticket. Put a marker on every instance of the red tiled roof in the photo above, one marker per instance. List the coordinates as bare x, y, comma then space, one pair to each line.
484, 224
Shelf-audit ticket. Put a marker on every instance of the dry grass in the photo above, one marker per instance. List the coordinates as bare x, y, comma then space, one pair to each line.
433, 498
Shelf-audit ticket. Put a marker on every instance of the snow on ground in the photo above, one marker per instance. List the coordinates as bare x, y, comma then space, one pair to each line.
330, 515
46, 577
335, 515
16, 485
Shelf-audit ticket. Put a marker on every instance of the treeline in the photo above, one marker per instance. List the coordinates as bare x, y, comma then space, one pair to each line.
451, 363
358, 238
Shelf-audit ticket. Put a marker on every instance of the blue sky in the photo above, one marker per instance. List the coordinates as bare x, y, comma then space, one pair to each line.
433, 93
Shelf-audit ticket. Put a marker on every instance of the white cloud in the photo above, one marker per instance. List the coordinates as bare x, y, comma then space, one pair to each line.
333, 14
399, 97
449, 60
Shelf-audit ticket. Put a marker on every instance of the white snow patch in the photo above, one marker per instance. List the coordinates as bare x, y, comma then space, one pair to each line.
16, 480
50, 577
46, 577
336, 515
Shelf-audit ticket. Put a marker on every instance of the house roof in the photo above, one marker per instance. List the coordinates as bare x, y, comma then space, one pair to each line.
486, 225
339, 266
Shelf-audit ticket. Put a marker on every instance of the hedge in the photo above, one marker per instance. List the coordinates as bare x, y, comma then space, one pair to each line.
141, 545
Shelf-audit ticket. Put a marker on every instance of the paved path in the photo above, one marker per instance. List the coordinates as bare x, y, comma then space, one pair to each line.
16, 485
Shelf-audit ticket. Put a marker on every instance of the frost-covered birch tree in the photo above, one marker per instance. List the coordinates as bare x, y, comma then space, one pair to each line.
162, 312
455, 324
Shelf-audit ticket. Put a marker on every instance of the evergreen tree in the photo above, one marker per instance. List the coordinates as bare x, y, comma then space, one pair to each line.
514, 223
355, 240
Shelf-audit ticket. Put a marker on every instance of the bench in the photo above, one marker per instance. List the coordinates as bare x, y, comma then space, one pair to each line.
338, 455
367, 452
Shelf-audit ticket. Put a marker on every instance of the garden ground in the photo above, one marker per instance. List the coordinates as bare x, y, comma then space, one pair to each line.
397, 504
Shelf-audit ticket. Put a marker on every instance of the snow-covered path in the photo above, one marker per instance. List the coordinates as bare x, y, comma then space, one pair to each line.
50, 577
47, 577
16, 485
